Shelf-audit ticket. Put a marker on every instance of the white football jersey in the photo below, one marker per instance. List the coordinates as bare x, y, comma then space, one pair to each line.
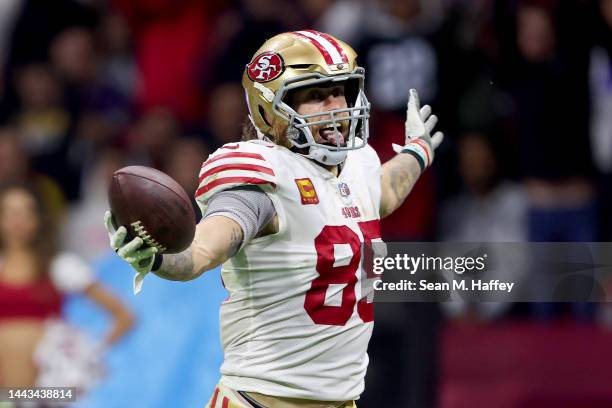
296, 323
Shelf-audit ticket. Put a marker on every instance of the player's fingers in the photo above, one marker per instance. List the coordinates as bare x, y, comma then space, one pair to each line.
414, 124
116, 239
108, 222
128, 249
425, 112
413, 100
431, 123
437, 139
145, 253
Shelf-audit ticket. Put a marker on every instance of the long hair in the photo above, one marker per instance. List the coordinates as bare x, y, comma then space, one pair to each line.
278, 134
44, 242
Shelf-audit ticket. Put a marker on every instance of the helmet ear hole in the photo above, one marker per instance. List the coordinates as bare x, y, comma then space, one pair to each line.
262, 113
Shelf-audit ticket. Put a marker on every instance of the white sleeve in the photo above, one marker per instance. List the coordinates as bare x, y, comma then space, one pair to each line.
70, 274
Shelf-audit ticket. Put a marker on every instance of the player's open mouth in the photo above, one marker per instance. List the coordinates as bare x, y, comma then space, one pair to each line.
332, 136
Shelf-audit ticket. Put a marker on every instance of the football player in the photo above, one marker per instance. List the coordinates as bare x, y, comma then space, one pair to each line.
285, 212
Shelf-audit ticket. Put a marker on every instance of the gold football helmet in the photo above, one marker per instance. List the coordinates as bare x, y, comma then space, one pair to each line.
300, 59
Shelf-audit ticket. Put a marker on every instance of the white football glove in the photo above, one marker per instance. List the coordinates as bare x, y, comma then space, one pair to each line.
419, 125
141, 260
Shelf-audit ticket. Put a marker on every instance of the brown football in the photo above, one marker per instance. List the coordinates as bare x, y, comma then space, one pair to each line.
151, 205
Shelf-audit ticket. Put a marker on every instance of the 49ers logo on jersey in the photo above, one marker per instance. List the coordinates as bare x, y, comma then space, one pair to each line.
266, 67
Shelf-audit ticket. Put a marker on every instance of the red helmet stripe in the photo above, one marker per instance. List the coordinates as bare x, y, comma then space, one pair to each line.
333, 42
331, 51
322, 50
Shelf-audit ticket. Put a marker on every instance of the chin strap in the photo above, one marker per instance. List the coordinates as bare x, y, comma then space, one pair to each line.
318, 153
326, 156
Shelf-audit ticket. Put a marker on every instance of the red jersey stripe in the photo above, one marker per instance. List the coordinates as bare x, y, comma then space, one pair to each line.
228, 180
230, 146
234, 154
225, 403
236, 166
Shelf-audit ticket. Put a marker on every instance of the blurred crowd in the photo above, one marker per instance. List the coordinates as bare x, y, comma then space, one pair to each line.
523, 89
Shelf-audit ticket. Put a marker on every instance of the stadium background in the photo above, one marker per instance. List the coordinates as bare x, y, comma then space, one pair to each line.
523, 90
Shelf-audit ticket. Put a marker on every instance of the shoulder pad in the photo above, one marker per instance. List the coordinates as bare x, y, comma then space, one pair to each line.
233, 165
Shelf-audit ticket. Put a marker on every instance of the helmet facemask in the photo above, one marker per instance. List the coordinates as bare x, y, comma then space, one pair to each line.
354, 118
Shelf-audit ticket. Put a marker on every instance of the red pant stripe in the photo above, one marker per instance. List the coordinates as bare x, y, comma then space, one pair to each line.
214, 399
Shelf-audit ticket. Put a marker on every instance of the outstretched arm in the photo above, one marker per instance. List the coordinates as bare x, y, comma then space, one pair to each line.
232, 218
399, 175
216, 239
401, 172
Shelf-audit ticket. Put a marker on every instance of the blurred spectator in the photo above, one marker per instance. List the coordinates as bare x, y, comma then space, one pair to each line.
35, 25
44, 124
550, 93
555, 153
83, 233
184, 161
15, 168
46, 19
42, 119
392, 39
170, 38
547, 85
92, 132
100, 104
35, 347
226, 114
238, 33
73, 55
183, 164
77, 61
152, 137
117, 67
489, 209
313, 12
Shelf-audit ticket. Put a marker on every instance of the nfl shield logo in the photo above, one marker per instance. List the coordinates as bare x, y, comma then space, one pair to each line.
344, 189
